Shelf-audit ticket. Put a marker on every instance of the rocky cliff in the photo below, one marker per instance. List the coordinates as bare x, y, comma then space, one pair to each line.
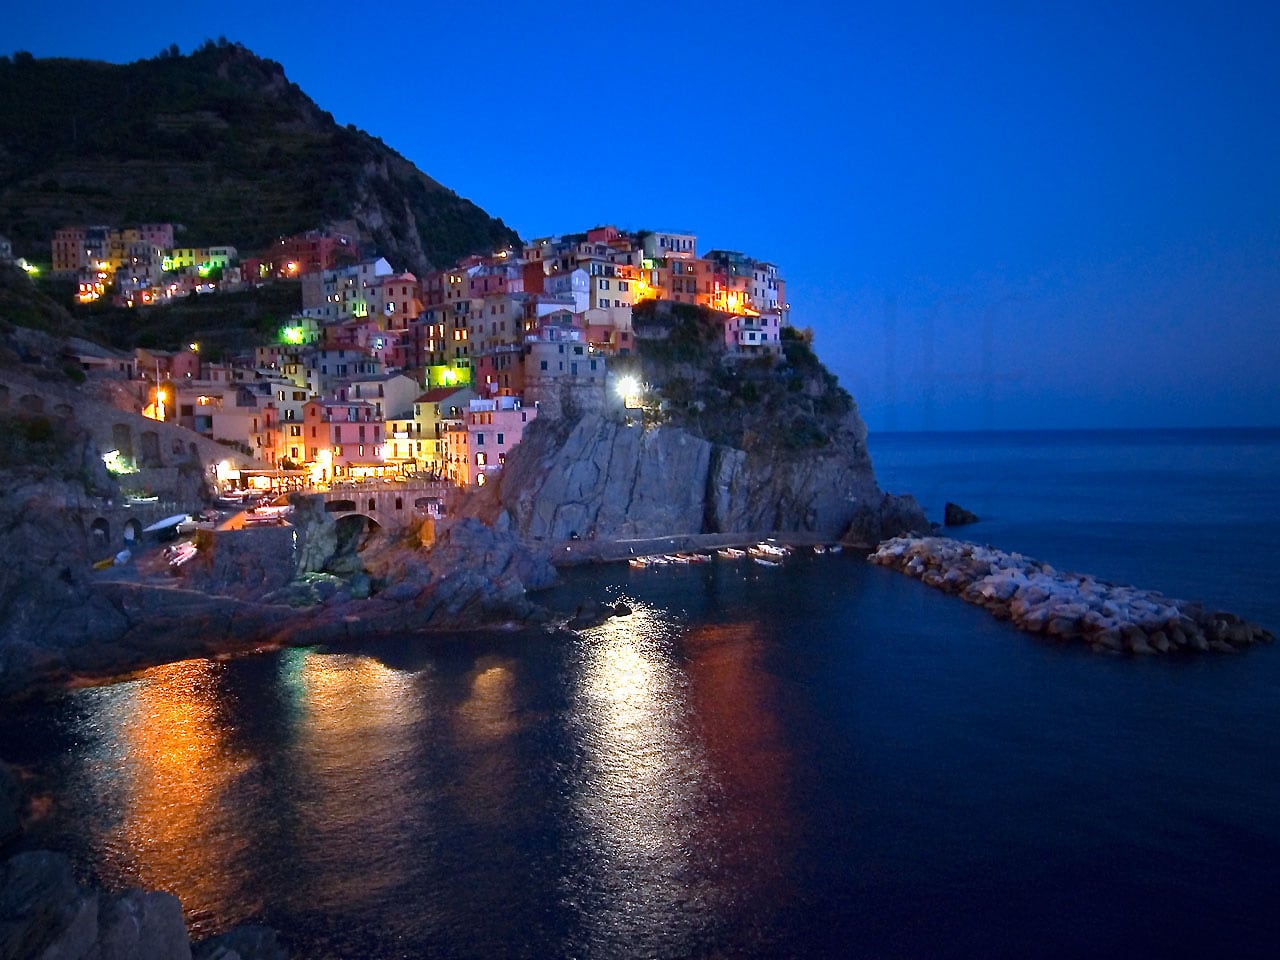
720, 444
602, 477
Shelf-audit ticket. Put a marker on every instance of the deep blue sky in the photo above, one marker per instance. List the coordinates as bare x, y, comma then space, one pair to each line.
1013, 216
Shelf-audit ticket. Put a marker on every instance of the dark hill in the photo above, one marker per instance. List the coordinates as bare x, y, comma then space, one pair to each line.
219, 141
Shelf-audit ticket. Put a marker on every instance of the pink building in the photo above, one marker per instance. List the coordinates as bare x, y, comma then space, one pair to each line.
341, 439
478, 448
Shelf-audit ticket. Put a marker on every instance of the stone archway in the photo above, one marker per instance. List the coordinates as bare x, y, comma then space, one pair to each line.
132, 531
100, 532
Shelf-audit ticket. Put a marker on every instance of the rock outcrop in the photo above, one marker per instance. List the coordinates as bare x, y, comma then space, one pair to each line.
45, 914
954, 515
602, 477
1069, 606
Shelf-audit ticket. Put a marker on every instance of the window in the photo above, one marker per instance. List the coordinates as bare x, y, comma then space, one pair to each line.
479, 439
604, 304
623, 285
500, 440
542, 365
480, 460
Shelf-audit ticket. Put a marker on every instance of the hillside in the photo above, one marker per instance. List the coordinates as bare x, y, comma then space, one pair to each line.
219, 141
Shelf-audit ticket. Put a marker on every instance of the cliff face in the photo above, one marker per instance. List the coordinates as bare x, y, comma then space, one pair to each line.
601, 477
720, 444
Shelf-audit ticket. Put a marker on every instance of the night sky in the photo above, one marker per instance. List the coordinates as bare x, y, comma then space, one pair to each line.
1036, 216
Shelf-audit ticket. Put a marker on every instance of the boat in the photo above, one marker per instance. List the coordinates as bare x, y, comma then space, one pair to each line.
638, 562
179, 553
675, 558
834, 548
767, 563
731, 553
766, 549
160, 526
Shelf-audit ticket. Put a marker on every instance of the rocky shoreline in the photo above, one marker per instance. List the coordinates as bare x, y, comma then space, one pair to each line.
45, 913
1067, 606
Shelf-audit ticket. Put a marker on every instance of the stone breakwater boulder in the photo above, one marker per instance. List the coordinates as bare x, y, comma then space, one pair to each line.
1071, 606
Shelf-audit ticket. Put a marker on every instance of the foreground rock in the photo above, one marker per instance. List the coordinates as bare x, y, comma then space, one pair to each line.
44, 913
1069, 606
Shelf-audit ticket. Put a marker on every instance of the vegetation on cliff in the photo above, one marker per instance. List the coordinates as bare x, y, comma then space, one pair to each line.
219, 141
792, 401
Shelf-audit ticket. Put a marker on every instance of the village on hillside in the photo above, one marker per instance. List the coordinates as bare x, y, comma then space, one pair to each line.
386, 375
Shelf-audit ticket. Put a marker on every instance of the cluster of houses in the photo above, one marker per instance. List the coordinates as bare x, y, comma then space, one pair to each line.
385, 374
141, 266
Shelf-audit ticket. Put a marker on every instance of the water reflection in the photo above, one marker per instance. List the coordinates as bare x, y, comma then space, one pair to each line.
737, 702
642, 786
485, 724
164, 746
353, 762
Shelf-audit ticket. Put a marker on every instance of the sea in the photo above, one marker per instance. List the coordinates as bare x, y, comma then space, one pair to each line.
821, 759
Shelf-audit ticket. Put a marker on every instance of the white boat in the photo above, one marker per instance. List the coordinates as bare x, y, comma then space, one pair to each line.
771, 550
179, 553
638, 562
767, 563
731, 553
166, 523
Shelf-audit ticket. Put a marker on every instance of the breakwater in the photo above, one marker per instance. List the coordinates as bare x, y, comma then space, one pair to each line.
1069, 606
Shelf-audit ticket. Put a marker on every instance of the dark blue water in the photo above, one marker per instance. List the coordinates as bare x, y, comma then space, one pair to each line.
822, 759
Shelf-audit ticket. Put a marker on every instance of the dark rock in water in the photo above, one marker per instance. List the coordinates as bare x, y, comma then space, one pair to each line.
10, 804
954, 515
885, 517
590, 614
249, 942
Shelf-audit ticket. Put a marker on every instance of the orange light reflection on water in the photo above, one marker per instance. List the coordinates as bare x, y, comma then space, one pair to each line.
486, 722
354, 767
175, 831
736, 701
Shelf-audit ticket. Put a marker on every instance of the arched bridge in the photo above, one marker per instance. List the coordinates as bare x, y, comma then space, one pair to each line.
391, 505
